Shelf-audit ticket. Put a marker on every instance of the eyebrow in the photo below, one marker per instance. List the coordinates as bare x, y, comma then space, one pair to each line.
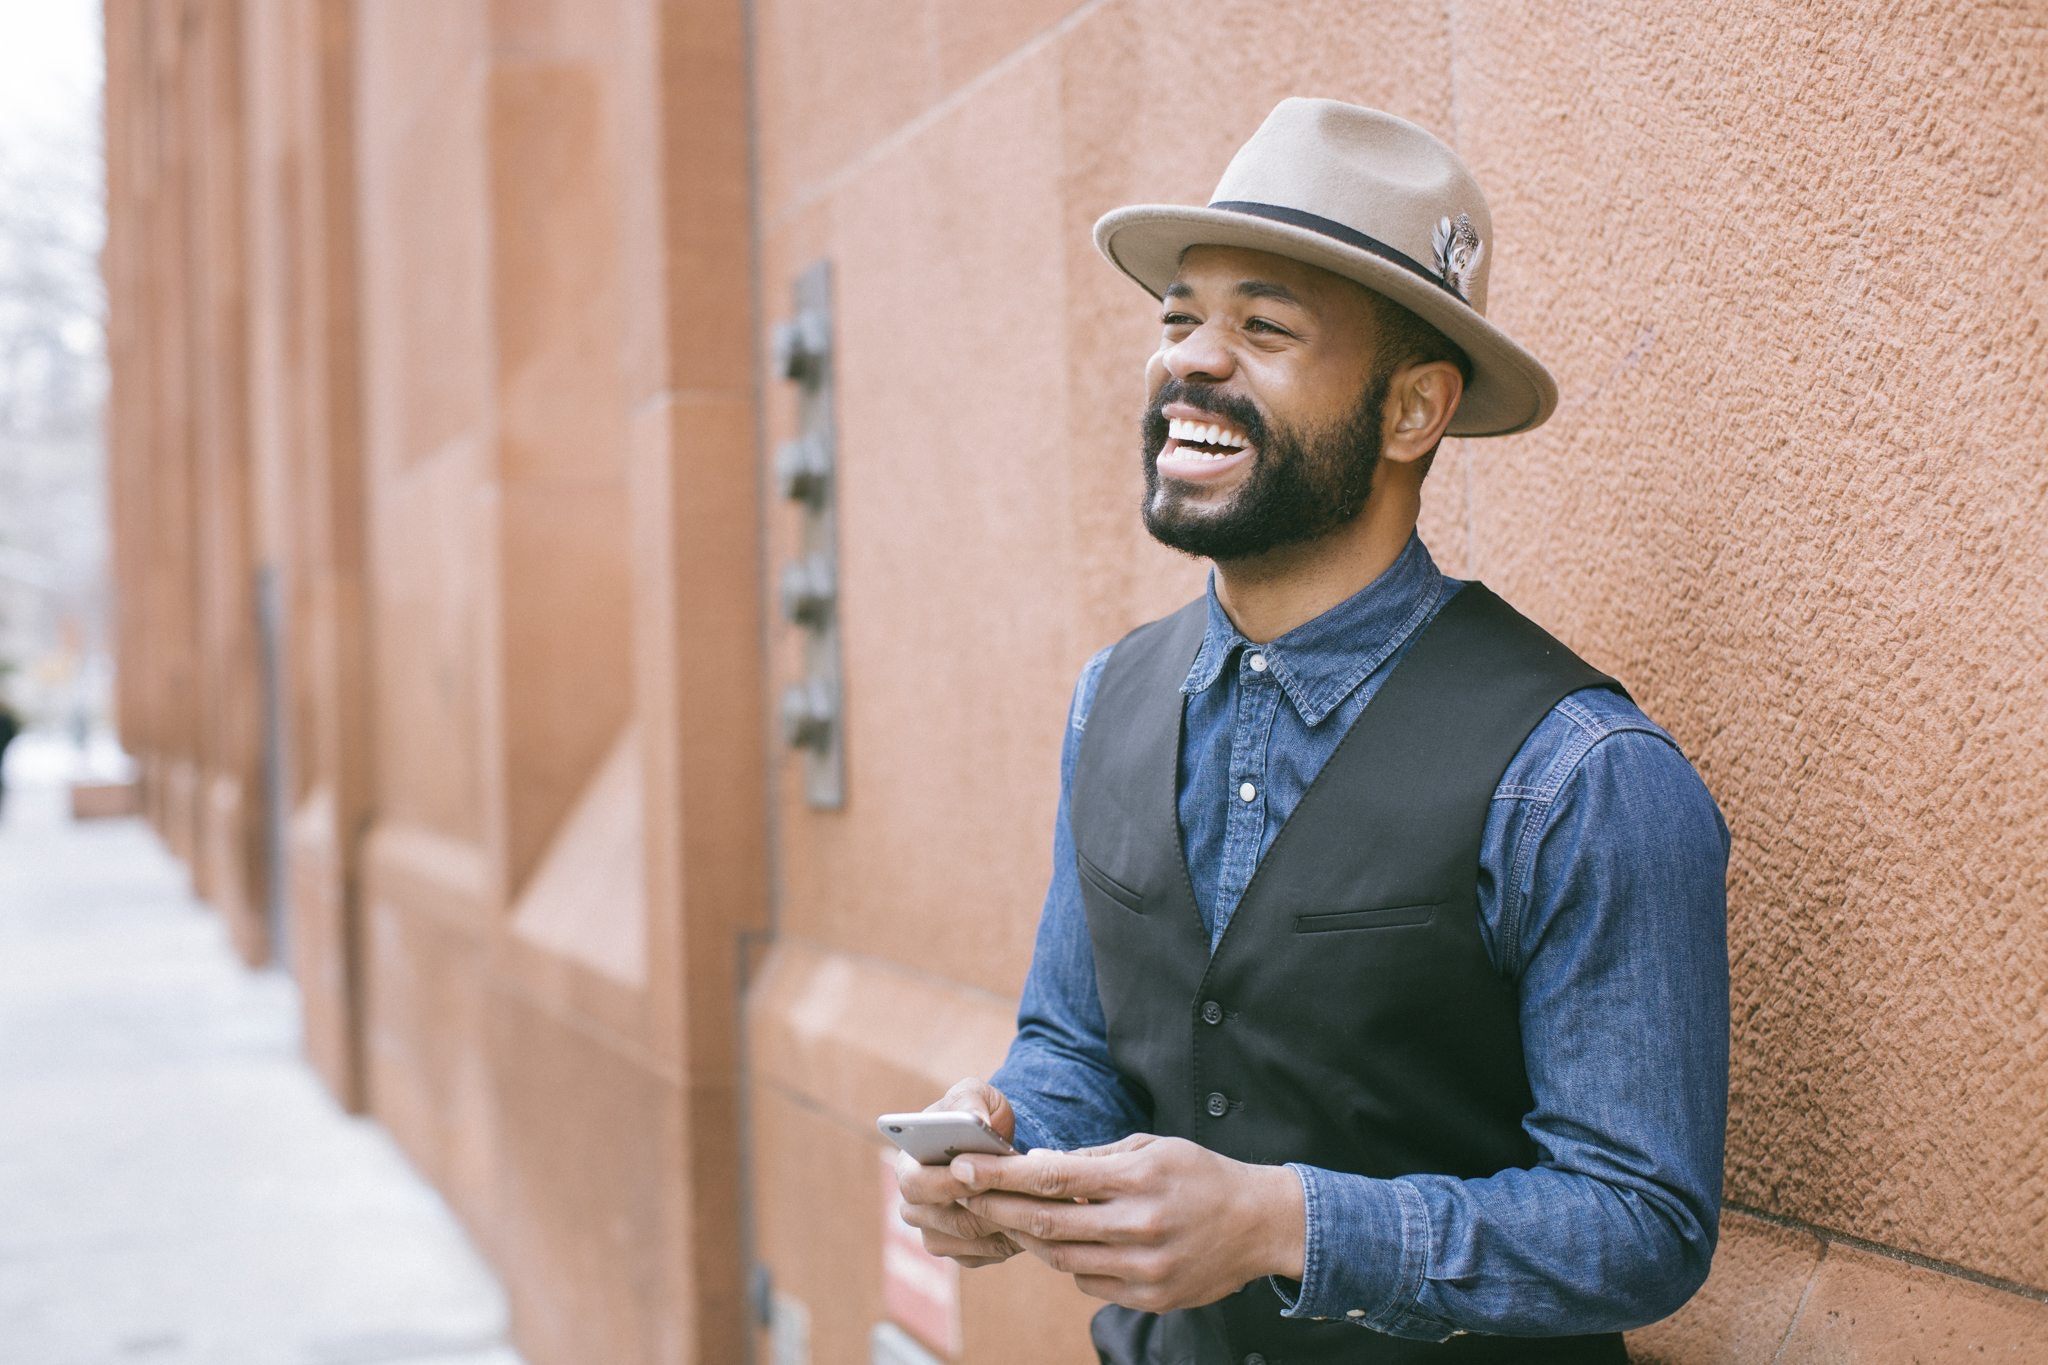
1249, 289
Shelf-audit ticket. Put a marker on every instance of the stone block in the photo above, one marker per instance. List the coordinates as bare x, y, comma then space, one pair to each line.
426, 648
945, 252
588, 1193
816, 1222
530, 30
556, 289
104, 800
1747, 1305
423, 193
837, 1042
695, 514
860, 1037
831, 82
561, 627
424, 983
705, 321
1874, 1310
325, 939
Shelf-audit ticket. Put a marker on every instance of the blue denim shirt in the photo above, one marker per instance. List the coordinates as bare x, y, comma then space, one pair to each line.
1602, 897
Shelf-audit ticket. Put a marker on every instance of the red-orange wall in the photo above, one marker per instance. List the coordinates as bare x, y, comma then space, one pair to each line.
440, 313
1786, 265
457, 317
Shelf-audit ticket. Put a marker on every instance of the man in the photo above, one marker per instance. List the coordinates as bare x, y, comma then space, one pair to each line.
1379, 1004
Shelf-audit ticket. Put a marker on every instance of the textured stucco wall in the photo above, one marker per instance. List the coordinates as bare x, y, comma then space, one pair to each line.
1787, 265
1791, 272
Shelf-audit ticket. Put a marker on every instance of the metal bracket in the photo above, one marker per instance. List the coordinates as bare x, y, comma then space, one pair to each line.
812, 709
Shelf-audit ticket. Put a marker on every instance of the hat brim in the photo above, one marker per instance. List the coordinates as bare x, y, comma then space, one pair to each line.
1510, 390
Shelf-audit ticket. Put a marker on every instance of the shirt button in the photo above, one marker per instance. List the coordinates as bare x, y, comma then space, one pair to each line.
1248, 792
1258, 663
1219, 1105
1212, 1013
1354, 1312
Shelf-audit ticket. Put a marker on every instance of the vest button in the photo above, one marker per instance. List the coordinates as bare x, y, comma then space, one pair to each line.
1219, 1105
1212, 1013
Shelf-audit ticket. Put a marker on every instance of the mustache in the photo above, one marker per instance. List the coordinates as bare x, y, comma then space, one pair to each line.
1239, 411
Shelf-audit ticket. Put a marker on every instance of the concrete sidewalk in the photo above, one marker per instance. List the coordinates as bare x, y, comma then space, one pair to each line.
175, 1186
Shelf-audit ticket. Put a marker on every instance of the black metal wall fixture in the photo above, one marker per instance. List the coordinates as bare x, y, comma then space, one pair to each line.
805, 472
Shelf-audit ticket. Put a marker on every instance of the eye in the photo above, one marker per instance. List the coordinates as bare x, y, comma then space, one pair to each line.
1176, 320
1262, 324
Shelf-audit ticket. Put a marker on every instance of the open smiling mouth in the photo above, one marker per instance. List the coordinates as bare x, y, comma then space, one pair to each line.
1195, 450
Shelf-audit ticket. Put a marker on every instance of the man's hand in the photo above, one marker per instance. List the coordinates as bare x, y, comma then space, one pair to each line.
1151, 1223
931, 1194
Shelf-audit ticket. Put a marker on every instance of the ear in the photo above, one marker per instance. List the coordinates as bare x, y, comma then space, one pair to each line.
1420, 402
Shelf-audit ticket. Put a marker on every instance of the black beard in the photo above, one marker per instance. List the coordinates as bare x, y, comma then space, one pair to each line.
1302, 485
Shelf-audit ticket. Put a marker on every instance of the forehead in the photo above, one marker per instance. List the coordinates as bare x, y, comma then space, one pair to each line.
1220, 270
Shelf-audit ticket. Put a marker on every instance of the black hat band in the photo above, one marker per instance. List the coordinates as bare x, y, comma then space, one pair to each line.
1330, 227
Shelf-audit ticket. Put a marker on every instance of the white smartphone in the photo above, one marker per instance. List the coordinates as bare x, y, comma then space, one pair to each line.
936, 1136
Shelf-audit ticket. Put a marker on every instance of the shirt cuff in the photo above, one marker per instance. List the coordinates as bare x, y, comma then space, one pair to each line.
1365, 1254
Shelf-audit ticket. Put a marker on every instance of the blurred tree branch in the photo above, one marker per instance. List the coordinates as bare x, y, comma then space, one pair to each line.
52, 383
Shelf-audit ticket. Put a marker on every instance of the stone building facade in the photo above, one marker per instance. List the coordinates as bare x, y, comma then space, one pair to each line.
450, 544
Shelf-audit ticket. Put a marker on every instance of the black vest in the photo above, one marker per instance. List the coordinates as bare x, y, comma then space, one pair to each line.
1350, 1017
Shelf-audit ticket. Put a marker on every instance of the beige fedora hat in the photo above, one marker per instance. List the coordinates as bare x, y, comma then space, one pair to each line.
1372, 198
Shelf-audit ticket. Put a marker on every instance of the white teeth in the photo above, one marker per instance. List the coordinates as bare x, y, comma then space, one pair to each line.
1210, 435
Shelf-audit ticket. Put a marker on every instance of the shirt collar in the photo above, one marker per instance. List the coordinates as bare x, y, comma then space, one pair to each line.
1322, 661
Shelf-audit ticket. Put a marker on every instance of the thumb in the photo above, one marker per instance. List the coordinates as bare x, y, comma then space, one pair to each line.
977, 1096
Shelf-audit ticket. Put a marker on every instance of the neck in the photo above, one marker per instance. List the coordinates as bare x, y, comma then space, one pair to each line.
1270, 594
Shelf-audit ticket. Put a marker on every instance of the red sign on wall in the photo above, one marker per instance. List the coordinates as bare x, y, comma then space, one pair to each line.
920, 1291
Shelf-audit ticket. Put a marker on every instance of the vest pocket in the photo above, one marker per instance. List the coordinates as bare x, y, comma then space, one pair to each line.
1110, 886
1386, 917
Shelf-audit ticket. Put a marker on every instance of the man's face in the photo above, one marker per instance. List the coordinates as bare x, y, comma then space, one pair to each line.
1280, 356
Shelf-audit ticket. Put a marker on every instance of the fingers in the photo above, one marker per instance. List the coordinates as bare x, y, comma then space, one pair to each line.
970, 1251
1048, 1175
1097, 1259
921, 1184
950, 1219
950, 1230
1046, 1220
1126, 1144
1101, 1287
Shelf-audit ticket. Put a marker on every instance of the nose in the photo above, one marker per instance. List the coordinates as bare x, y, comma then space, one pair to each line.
1199, 355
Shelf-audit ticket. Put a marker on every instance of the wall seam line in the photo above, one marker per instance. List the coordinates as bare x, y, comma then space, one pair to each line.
1798, 1312
1831, 1237
822, 190
757, 1311
1465, 462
